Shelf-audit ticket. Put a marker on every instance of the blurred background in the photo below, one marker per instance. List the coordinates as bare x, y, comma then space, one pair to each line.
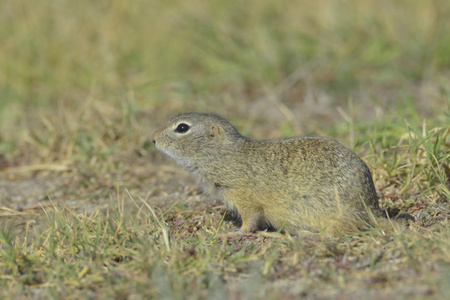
76, 77
84, 83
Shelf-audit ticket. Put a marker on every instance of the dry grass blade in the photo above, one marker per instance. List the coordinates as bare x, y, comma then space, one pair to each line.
12, 213
38, 206
161, 225
56, 167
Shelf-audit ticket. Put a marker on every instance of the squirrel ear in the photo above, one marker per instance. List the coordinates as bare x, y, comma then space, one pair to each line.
214, 131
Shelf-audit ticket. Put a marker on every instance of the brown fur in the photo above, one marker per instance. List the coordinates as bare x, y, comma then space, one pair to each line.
298, 184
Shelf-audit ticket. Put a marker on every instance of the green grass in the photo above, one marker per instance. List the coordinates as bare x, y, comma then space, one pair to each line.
83, 84
124, 253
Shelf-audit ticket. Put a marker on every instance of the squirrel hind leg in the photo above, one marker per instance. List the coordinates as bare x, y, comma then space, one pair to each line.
343, 226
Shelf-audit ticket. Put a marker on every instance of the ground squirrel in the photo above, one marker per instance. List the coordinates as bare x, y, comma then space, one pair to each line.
298, 184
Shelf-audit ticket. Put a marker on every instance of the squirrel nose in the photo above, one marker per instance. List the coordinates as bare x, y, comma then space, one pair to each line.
153, 137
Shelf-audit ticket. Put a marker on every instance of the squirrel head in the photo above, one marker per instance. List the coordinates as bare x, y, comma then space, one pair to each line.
191, 137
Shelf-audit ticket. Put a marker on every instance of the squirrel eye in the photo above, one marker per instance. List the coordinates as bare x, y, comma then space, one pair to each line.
182, 128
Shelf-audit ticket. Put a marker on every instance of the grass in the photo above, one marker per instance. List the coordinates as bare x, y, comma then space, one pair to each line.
89, 209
